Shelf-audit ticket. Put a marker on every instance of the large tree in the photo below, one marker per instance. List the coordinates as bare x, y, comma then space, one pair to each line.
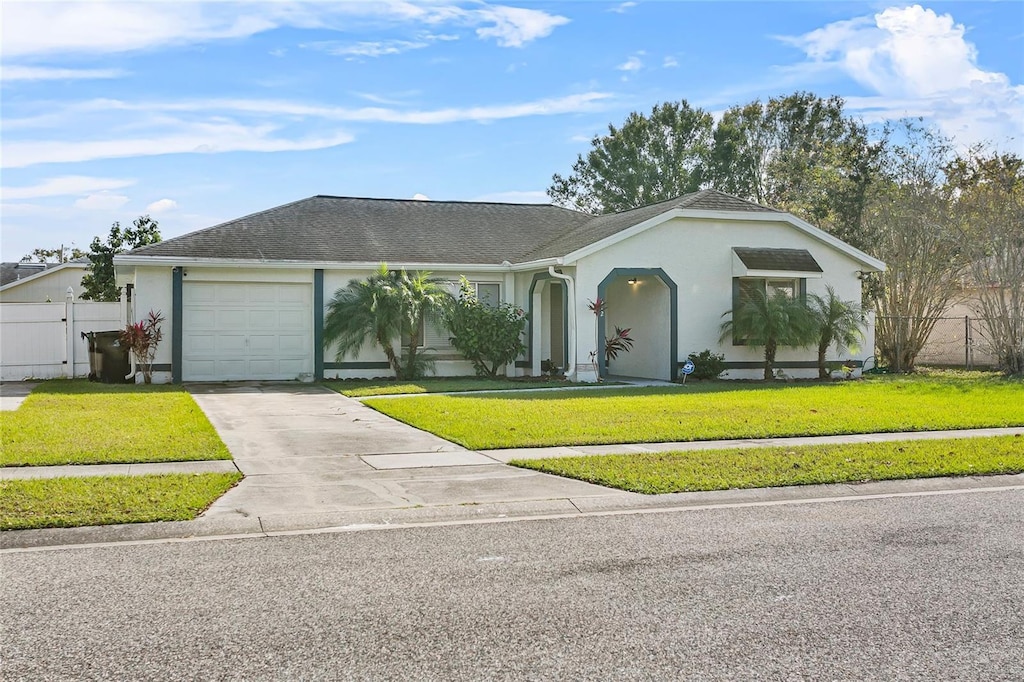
910, 215
98, 284
801, 153
988, 191
649, 159
59, 255
387, 307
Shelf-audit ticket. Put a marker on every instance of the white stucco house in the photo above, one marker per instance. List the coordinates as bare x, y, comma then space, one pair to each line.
41, 282
245, 300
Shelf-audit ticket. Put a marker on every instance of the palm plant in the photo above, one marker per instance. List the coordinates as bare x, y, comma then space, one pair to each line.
386, 306
764, 321
840, 322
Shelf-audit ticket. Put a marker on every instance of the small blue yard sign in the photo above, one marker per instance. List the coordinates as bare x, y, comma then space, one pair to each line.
686, 370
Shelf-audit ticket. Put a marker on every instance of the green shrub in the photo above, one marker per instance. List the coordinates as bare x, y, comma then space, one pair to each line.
489, 336
707, 365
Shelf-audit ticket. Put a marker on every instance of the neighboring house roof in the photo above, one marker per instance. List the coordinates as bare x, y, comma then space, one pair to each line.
329, 229
14, 274
791, 260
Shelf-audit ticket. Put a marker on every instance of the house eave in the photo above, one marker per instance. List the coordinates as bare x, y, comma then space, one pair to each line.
189, 261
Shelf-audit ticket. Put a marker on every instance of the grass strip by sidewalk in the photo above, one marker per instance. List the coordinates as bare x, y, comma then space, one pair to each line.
78, 422
713, 411
694, 470
364, 388
102, 500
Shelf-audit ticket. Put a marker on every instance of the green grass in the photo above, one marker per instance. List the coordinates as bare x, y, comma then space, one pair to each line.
78, 422
673, 472
101, 500
714, 410
363, 388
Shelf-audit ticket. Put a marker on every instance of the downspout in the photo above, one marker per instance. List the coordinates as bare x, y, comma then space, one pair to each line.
570, 371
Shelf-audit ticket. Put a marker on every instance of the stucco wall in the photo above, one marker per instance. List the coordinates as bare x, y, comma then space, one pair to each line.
697, 256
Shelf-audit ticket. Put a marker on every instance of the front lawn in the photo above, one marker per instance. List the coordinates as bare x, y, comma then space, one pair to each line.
78, 422
715, 410
100, 500
673, 472
362, 388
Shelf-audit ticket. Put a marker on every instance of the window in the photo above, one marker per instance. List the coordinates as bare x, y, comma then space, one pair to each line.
488, 293
785, 286
743, 289
435, 335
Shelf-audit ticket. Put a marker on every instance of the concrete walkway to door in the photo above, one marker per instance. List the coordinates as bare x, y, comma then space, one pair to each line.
311, 457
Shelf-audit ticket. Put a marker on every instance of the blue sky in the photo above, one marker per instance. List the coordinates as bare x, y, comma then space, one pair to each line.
201, 112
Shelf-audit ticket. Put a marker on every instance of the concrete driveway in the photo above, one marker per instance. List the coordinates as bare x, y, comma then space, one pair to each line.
307, 451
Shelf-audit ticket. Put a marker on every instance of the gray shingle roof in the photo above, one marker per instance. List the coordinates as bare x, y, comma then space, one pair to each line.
787, 260
12, 272
346, 229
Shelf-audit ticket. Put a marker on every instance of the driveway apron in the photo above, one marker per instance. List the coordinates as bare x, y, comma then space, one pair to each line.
307, 450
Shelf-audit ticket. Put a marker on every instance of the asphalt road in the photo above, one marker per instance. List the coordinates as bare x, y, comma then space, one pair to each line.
922, 588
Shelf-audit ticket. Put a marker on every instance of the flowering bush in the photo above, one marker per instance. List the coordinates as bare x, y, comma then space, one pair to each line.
142, 339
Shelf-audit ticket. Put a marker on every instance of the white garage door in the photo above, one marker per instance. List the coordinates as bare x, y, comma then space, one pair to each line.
246, 330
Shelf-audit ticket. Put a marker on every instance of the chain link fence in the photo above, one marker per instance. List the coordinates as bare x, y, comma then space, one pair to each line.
957, 342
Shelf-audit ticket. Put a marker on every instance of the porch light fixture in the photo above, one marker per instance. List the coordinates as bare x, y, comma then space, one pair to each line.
631, 280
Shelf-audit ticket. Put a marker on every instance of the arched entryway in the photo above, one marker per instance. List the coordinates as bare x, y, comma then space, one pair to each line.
646, 301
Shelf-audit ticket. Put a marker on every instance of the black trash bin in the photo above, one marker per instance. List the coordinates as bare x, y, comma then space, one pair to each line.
95, 356
108, 360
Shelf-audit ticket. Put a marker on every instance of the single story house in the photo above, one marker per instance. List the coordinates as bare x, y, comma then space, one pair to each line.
245, 300
26, 282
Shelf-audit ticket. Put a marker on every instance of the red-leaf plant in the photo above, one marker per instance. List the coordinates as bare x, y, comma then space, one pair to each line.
142, 339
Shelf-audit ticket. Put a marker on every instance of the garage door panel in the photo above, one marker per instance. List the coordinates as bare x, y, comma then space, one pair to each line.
293, 344
231, 319
247, 330
291, 318
200, 344
265, 320
232, 344
200, 318
291, 294
232, 293
193, 295
291, 367
263, 344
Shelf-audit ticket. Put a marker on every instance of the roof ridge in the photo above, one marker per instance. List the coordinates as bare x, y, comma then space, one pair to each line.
449, 201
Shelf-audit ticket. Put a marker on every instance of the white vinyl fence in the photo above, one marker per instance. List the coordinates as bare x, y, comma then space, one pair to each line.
44, 340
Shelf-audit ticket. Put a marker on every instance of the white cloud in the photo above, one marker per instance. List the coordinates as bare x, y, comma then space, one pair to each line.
208, 138
919, 62
669, 62
516, 197
162, 206
378, 48
420, 197
41, 73
621, 8
634, 63
102, 201
104, 27
515, 26
64, 186
229, 125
